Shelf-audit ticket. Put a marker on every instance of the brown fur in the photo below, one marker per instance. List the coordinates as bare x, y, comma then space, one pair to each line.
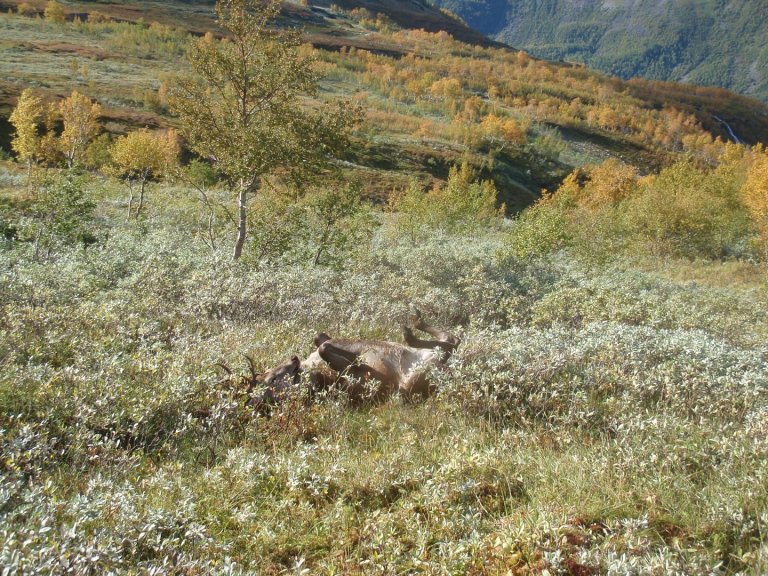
389, 367
363, 369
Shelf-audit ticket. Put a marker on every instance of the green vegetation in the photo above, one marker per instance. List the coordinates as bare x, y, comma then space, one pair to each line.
249, 126
687, 210
592, 409
460, 207
606, 411
704, 42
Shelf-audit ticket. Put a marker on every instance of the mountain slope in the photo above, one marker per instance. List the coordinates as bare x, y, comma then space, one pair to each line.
430, 101
707, 42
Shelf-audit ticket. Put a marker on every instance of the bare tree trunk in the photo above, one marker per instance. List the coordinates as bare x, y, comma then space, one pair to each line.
130, 201
211, 236
322, 243
319, 252
37, 242
242, 223
141, 198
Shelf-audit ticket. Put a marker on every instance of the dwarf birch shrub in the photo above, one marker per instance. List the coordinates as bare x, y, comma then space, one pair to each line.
539, 230
461, 206
326, 227
62, 214
592, 404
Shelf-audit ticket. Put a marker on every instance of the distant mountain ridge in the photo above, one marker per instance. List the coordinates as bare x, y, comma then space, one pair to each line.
706, 42
415, 14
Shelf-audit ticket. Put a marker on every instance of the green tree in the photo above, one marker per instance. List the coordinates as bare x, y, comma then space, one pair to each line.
141, 156
240, 107
24, 118
62, 214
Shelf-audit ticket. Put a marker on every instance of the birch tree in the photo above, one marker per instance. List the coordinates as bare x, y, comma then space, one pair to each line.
241, 108
80, 117
141, 156
24, 118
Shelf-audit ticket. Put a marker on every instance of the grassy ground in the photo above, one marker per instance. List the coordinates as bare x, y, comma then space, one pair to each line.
596, 419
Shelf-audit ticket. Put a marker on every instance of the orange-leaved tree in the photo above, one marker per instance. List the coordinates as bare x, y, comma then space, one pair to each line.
609, 183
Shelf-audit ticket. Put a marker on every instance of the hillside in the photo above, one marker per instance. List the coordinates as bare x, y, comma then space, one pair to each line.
709, 43
167, 307
430, 100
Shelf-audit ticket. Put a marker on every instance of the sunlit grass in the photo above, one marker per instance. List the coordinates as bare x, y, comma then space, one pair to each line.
600, 417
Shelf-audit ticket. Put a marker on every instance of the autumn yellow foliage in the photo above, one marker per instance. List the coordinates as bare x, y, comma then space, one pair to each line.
755, 194
500, 131
54, 12
609, 183
24, 118
143, 155
80, 117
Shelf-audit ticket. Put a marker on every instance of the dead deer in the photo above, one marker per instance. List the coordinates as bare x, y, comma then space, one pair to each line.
262, 389
385, 367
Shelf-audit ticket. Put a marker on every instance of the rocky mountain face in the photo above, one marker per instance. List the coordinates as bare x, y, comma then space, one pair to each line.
707, 42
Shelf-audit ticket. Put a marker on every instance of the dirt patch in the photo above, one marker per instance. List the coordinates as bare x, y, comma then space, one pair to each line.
68, 48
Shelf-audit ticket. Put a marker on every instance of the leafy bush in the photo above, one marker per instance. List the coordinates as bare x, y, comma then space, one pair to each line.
688, 211
327, 227
460, 207
549, 142
54, 12
200, 173
62, 214
539, 230
337, 225
98, 154
606, 211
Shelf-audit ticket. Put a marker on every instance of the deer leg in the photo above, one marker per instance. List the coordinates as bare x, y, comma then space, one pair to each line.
443, 339
415, 342
337, 357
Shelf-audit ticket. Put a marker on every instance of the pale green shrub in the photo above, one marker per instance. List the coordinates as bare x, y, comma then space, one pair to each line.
580, 394
461, 206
